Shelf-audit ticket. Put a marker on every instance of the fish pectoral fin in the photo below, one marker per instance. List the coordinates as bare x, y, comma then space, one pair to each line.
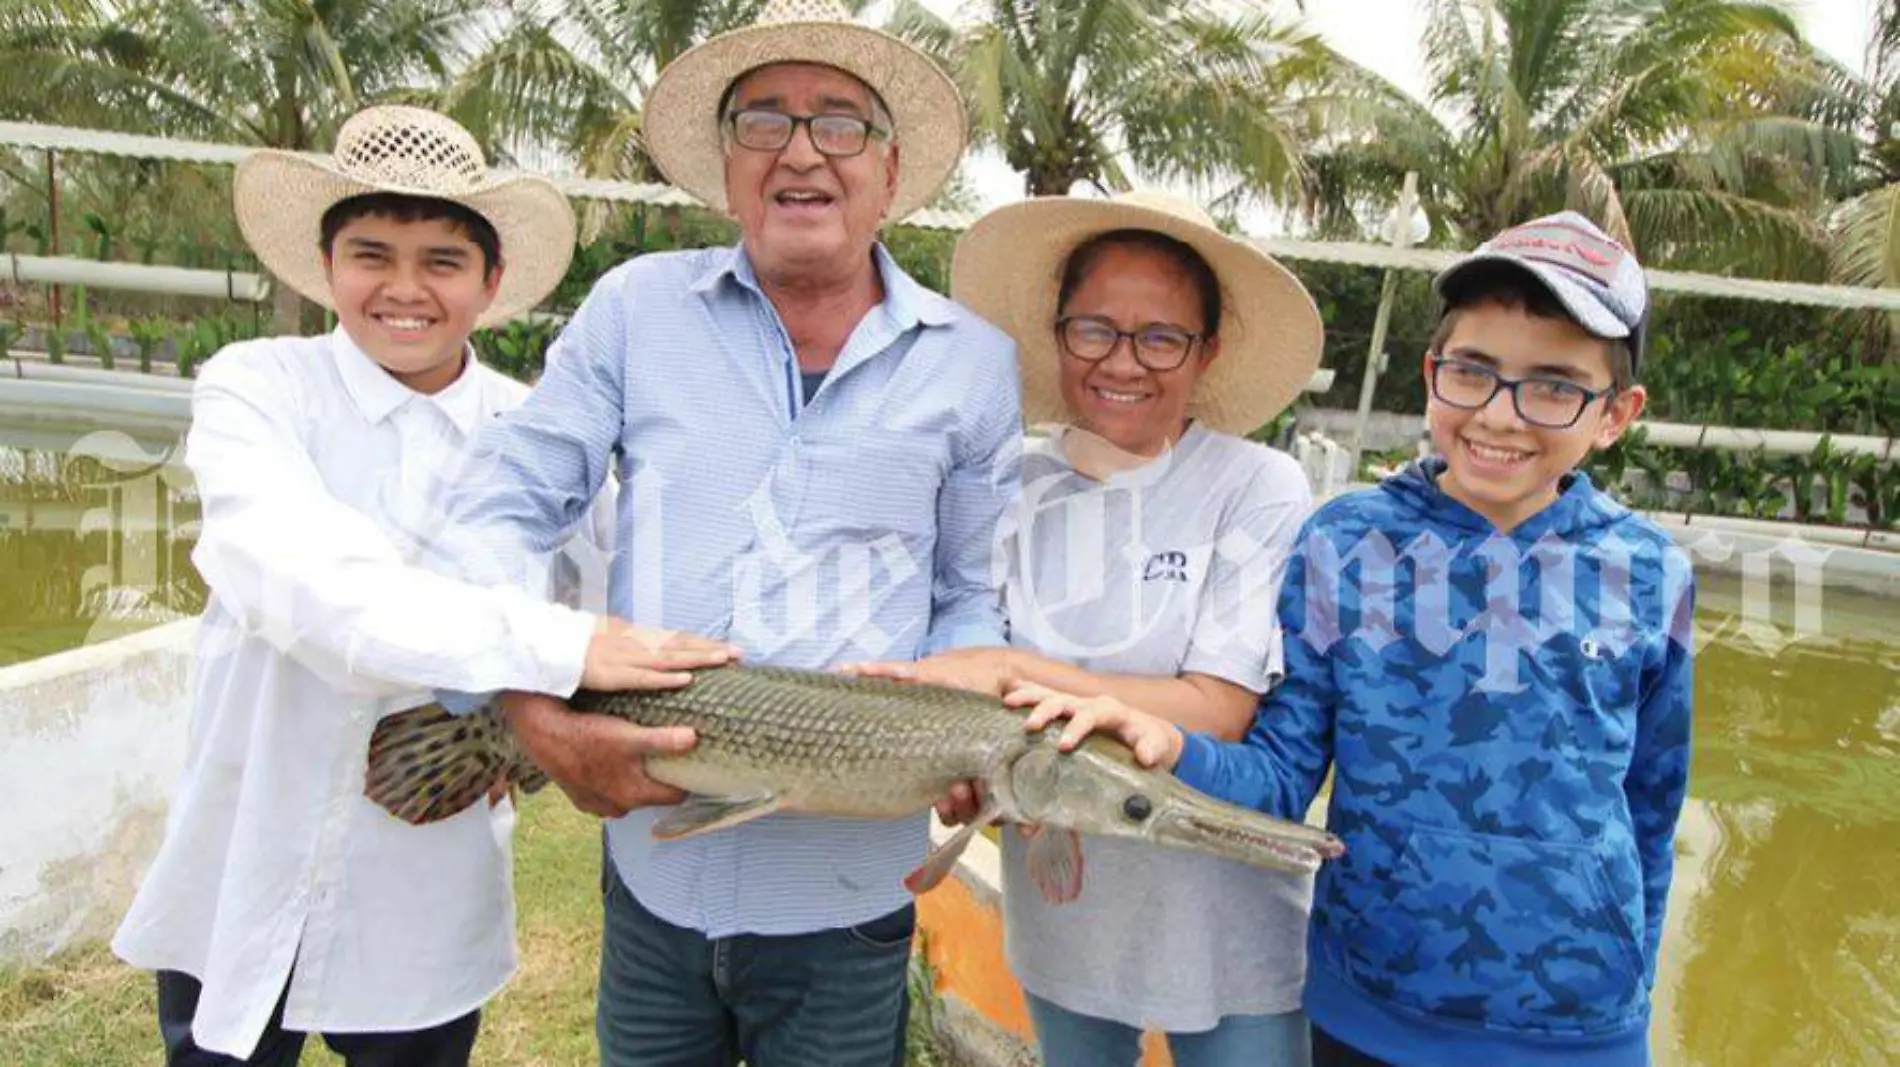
699, 814
1055, 864
943, 859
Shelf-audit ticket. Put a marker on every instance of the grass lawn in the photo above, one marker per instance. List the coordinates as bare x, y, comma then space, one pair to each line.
86, 1009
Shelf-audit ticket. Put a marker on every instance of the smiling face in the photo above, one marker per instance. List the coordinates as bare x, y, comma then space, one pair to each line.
1118, 399
1497, 464
807, 216
409, 294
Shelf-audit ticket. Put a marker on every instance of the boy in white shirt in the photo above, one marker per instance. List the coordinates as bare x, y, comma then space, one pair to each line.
283, 902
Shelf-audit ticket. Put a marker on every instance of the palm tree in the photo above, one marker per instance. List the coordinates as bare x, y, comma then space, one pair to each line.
1704, 132
1102, 91
280, 73
1868, 251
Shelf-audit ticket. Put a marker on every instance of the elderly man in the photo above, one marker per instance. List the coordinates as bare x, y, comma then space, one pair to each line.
813, 454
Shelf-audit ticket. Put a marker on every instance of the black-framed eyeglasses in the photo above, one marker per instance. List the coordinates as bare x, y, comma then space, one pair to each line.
1158, 346
838, 136
1553, 403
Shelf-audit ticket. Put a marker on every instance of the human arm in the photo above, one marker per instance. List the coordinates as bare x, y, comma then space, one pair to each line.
322, 583
1658, 776
1279, 766
981, 485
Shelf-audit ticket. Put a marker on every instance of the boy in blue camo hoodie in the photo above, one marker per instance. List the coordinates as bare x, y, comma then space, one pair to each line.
1494, 657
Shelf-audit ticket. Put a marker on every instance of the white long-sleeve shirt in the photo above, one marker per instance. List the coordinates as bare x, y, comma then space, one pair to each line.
320, 477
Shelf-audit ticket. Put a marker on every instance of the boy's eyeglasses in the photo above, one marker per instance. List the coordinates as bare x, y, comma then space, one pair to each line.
1158, 346
837, 136
1552, 403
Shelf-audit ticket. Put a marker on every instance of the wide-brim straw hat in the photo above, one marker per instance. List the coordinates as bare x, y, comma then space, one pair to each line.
680, 123
281, 197
1008, 269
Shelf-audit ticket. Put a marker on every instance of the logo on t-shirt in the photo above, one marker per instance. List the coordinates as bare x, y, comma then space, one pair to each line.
1165, 567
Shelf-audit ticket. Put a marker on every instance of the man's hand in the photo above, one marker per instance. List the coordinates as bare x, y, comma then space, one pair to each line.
963, 803
623, 656
597, 760
988, 671
1157, 742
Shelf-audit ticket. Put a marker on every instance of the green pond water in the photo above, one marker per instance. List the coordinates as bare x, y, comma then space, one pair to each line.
1783, 938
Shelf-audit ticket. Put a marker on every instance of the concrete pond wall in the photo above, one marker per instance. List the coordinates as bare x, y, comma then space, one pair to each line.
91, 743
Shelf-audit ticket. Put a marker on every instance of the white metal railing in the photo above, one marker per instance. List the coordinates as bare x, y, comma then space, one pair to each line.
136, 277
1771, 442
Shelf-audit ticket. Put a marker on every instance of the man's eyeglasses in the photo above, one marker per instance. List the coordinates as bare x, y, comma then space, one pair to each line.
838, 136
1552, 403
1158, 346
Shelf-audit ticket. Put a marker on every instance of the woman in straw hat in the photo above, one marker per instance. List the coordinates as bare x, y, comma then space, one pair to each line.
283, 902
1143, 564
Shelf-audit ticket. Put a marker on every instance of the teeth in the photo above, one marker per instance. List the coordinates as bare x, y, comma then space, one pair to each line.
1496, 455
406, 324
1120, 398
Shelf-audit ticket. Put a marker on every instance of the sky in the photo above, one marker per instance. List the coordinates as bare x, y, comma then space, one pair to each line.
1384, 35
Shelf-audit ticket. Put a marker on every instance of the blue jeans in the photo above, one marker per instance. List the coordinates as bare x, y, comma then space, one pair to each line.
1071, 1039
672, 997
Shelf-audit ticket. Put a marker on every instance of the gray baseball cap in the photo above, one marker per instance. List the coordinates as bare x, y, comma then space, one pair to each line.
1596, 279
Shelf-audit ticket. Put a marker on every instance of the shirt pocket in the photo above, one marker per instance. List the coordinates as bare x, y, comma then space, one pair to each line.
879, 482
1510, 933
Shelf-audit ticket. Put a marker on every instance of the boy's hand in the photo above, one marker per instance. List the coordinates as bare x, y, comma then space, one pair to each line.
1156, 742
597, 760
623, 656
978, 670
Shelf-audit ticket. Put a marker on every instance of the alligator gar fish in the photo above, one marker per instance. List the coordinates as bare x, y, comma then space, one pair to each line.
775, 739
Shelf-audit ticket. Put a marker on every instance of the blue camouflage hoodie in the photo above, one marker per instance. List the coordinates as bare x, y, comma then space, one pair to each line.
1508, 718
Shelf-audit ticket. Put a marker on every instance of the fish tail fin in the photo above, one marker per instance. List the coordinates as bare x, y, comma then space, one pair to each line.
426, 764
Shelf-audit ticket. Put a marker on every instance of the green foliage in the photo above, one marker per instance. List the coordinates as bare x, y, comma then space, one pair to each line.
517, 348
98, 341
1706, 132
1101, 91
1827, 486
202, 338
148, 333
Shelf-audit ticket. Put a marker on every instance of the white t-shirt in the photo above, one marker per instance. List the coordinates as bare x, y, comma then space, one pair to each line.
1170, 568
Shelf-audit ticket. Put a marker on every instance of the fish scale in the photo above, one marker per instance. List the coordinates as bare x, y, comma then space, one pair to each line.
777, 739
857, 746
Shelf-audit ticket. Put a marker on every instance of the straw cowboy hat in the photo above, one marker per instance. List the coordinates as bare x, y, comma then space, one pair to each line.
281, 197
681, 122
1008, 269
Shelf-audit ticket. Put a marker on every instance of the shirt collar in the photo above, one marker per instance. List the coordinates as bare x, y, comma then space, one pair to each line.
376, 394
905, 301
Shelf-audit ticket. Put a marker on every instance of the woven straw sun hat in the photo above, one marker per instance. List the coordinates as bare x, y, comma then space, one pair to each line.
680, 123
1008, 269
281, 197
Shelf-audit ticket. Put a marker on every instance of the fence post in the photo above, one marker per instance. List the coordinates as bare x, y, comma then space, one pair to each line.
1399, 232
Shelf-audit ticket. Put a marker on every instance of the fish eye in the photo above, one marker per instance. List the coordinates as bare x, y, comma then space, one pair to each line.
1138, 808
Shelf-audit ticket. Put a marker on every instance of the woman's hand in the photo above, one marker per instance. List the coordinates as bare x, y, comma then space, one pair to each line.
988, 671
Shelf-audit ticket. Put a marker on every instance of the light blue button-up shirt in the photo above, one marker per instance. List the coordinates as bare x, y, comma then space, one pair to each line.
858, 526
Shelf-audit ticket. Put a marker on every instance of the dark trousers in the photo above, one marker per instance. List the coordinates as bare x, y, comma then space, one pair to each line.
1329, 1051
447, 1045
672, 997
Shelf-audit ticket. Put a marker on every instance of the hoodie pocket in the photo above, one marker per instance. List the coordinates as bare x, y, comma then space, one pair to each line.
1512, 934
